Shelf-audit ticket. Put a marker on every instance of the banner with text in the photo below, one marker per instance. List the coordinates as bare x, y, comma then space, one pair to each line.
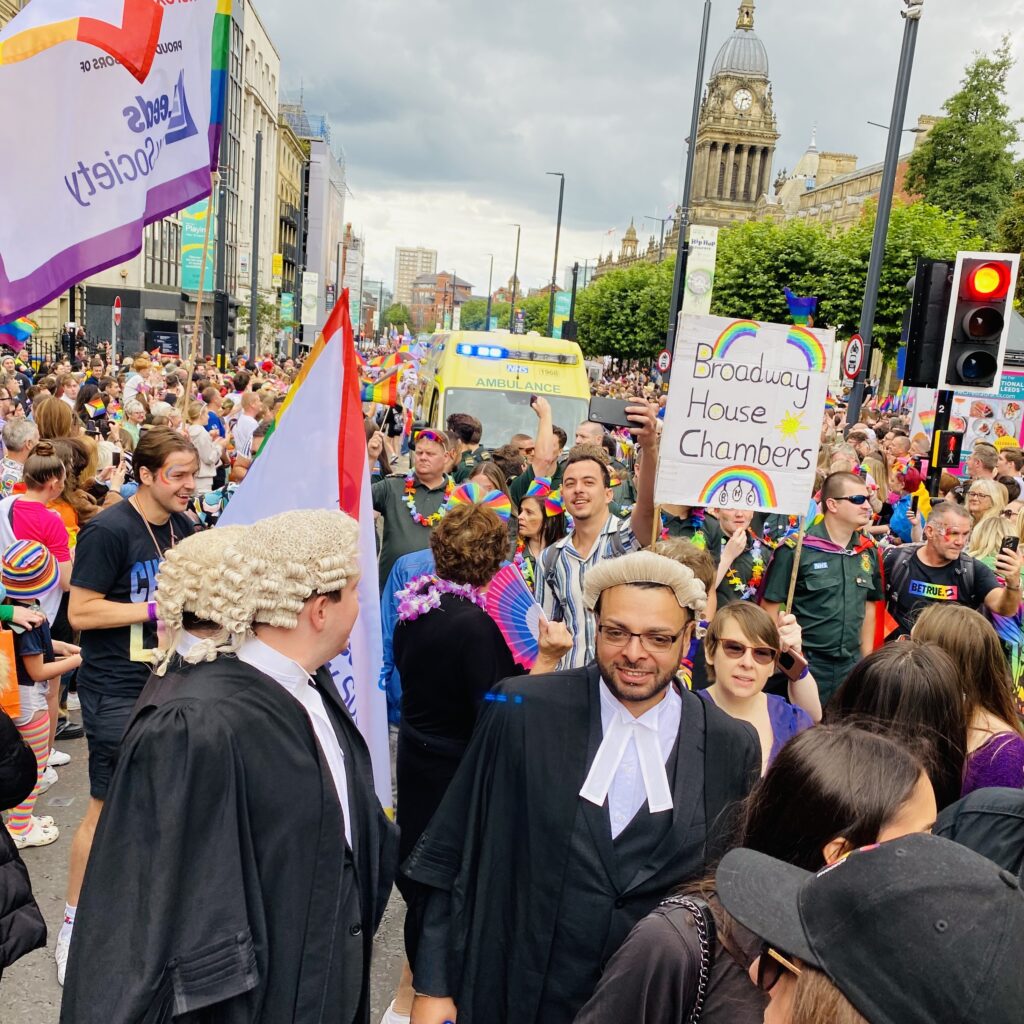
193, 230
700, 270
743, 419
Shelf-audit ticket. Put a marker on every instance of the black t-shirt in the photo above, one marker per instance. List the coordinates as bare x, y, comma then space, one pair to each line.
116, 557
29, 642
926, 583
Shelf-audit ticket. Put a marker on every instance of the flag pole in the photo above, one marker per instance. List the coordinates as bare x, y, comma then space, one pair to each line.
190, 363
796, 564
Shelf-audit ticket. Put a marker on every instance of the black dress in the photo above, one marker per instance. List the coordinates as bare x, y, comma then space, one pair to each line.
448, 660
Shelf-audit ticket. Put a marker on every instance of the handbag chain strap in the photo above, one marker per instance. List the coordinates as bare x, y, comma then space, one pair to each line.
701, 924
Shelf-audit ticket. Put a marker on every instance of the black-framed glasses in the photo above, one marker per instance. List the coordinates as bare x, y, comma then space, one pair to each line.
770, 966
735, 650
853, 499
653, 643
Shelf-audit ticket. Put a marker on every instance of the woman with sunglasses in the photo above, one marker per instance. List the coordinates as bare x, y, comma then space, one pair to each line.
742, 649
831, 790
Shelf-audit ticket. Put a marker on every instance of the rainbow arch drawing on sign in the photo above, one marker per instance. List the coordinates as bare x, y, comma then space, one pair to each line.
751, 486
807, 343
736, 330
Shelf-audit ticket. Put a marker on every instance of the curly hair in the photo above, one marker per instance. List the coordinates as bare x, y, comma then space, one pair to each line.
283, 562
80, 458
469, 545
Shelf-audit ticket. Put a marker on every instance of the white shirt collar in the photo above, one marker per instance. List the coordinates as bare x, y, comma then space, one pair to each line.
186, 641
288, 672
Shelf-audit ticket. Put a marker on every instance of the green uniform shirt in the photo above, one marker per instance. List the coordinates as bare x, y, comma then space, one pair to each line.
519, 485
743, 567
468, 461
402, 533
832, 591
709, 536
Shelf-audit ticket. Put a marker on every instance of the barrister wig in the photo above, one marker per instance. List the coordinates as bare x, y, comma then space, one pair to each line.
187, 596
644, 568
281, 563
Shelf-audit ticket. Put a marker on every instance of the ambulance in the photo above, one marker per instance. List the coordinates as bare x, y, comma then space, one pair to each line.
492, 375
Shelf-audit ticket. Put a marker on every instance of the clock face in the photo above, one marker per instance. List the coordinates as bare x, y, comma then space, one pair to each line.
742, 99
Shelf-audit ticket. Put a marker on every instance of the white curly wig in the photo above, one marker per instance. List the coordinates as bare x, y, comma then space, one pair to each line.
186, 584
645, 567
280, 562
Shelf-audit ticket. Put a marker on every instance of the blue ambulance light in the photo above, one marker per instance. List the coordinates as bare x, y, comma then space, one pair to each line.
482, 351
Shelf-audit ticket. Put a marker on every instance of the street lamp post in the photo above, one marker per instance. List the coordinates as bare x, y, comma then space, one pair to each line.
490, 280
558, 235
912, 17
661, 241
682, 247
515, 282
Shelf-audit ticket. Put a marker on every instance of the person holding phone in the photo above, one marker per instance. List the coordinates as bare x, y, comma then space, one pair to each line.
742, 649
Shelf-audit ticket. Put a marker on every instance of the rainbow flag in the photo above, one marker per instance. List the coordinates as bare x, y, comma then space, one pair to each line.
96, 407
800, 309
383, 391
830, 402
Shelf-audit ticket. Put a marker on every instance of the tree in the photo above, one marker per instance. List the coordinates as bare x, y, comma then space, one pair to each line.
397, 314
268, 321
473, 316
967, 164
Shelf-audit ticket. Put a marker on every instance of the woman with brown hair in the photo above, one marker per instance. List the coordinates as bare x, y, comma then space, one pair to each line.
55, 418
995, 737
449, 653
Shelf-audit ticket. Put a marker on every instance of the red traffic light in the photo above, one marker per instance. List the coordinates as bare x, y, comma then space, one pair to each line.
989, 281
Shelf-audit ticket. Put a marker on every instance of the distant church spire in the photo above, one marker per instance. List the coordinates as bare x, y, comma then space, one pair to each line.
814, 137
746, 16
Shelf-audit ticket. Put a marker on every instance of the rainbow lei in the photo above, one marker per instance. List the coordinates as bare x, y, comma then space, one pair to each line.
749, 589
409, 498
424, 594
695, 520
523, 564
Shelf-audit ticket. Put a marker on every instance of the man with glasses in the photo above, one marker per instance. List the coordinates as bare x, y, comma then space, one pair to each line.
411, 503
941, 570
583, 798
837, 584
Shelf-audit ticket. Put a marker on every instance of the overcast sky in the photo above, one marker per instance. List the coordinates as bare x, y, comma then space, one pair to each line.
450, 111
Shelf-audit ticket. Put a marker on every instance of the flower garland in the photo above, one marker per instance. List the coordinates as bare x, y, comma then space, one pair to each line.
696, 521
524, 564
409, 498
749, 589
424, 594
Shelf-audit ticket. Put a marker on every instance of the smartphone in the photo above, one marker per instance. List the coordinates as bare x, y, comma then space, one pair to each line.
1009, 544
115, 457
913, 504
610, 412
792, 665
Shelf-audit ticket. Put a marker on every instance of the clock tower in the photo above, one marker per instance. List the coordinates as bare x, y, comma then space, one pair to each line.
736, 133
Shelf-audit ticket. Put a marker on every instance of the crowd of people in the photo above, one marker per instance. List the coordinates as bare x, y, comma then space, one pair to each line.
758, 766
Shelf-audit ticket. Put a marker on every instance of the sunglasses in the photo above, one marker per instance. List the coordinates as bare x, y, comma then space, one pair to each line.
770, 966
428, 435
735, 650
854, 499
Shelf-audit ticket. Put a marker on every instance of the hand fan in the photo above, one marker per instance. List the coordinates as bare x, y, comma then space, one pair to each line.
517, 614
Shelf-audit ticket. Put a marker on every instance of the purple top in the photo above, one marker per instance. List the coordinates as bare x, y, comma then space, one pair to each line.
786, 721
997, 762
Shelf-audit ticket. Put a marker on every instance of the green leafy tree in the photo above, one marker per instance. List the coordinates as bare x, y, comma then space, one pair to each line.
967, 162
474, 314
268, 321
398, 313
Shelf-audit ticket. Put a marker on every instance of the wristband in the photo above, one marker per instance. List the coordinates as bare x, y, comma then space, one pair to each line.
806, 672
151, 610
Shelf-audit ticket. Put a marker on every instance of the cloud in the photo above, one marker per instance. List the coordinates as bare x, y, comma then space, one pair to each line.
449, 112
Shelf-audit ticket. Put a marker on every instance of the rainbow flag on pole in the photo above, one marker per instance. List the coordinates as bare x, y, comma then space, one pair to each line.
322, 417
383, 391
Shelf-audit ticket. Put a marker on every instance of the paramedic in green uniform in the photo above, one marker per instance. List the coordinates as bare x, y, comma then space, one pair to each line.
837, 584
468, 429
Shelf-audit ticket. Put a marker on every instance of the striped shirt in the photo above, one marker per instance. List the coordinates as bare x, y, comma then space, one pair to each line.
560, 576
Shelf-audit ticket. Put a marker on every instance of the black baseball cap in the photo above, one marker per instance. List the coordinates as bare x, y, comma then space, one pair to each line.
912, 931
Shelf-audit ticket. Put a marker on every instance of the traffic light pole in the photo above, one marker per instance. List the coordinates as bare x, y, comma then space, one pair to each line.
892, 156
254, 280
682, 246
943, 404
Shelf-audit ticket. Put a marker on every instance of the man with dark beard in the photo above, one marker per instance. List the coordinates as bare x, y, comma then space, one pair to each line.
584, 797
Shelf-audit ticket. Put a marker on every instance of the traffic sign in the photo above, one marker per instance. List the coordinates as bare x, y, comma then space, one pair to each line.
853, 356
664, 360
117, 310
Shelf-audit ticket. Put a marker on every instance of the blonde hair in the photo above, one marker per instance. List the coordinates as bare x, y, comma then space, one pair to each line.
987, 536
284, 561
816, 998
996, 491
186, 585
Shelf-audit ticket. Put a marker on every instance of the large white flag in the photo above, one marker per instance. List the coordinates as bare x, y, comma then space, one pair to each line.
316, 458
111, 114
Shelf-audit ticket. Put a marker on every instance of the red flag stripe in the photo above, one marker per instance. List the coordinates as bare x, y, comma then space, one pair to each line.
351, 456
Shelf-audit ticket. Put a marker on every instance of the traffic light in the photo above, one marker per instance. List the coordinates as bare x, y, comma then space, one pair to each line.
926, 322
978, 323
220, 316
232, 316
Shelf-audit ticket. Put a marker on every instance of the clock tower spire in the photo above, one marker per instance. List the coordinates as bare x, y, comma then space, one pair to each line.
736, 133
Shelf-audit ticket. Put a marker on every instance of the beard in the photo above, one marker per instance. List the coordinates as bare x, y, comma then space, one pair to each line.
634, 692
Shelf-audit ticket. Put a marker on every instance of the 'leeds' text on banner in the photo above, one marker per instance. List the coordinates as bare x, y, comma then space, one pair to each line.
743, 419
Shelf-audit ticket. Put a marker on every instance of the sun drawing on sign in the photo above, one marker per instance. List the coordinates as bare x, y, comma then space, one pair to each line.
791, 425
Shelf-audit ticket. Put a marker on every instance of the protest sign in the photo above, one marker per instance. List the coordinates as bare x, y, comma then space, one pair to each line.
743, 419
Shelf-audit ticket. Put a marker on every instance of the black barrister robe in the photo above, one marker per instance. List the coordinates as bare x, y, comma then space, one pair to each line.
501, 853
220, 887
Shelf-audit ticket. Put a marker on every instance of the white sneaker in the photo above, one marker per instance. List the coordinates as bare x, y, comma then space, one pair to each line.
48, 779
74, 704
58, 758
60, 954
390, 1017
